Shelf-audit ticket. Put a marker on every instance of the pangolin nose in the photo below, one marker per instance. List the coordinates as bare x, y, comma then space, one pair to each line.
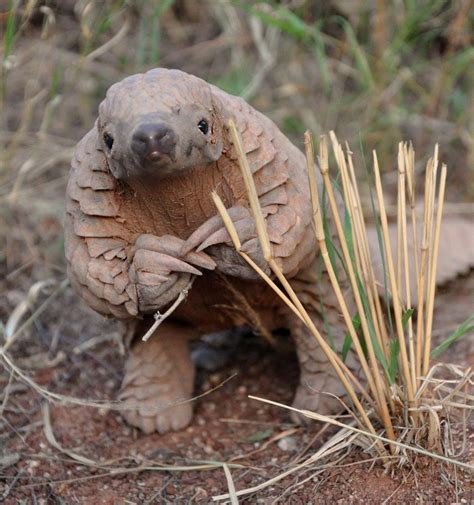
151, 141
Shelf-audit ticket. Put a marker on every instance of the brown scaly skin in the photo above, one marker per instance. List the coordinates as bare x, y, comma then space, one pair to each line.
139, 214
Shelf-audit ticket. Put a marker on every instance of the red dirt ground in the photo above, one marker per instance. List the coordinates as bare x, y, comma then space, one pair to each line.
228, 427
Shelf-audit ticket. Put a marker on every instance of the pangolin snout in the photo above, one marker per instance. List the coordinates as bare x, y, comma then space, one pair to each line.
150, 141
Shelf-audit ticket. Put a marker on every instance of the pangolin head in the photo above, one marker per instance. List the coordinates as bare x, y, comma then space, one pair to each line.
159, 124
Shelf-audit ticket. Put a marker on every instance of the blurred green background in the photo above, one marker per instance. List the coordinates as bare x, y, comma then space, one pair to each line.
375, 71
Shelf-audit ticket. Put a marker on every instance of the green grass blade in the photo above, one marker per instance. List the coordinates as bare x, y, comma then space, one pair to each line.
463, 329
322, 309
406, 317
370, 322
347, 228
393, 361
155, 35
9, 31
281, 17
348, 339
320, 54
364, 72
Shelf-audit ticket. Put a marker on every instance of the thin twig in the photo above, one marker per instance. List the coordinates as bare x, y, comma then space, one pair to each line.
159, 318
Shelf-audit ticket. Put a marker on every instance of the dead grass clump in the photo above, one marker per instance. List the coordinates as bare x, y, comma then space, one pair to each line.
408, 404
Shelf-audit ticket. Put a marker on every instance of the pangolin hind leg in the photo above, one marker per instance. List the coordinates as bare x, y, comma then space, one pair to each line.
159, 378
320, 388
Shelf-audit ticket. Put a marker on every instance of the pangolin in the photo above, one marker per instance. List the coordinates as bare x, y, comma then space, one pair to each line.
141, 223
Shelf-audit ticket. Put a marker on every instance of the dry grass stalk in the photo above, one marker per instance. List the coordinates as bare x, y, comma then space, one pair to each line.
318, 225
429, 183
432, 278
252, 194
334, 445
403, 258
421, 281
362, 265
369, 276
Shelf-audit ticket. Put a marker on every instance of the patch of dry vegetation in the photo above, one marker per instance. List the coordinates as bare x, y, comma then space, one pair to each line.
406, 400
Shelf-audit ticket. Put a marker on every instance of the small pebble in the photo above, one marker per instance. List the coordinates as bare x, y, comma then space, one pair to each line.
287, 444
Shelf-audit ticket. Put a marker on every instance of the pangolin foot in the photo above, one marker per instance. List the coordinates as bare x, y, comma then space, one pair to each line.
319, 393
158, 384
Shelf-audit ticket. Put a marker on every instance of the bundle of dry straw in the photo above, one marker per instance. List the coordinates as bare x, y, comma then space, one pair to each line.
402, 403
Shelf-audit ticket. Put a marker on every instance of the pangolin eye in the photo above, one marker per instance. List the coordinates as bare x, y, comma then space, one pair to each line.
108, 141
203, 126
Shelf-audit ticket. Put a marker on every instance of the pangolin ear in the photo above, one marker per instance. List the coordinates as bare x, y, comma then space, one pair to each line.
216, 144
115, 168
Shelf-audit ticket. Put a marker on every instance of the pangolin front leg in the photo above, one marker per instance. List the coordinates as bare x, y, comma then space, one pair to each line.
159, 380
213, 237
161, 272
